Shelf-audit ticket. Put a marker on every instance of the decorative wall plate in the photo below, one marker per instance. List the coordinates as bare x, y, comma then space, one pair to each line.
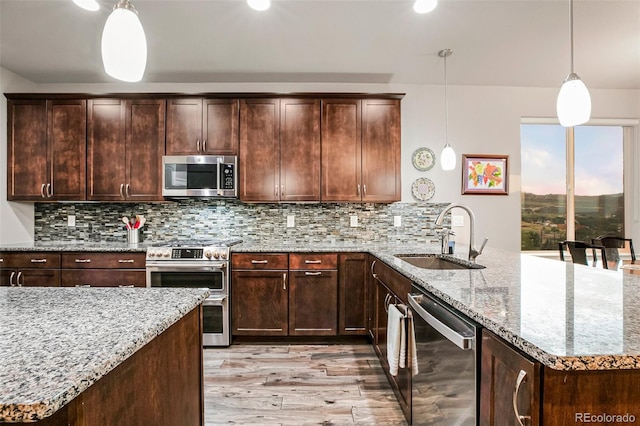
423, 159
423, 189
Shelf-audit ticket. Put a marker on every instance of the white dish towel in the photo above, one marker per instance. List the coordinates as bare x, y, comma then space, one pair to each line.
396, 338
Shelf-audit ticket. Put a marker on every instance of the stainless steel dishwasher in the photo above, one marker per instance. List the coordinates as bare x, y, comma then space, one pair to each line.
444, 390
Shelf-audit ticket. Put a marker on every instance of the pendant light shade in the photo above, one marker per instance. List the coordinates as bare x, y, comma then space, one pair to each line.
124, 45
574, 102
91, 5
259, 4
424, 6
448, 155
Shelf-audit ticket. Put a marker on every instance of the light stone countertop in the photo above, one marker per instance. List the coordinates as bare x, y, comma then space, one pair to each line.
56, 342
568, 317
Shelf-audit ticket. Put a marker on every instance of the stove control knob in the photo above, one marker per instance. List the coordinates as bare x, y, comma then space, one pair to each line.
208, 254
166, 253
216, 254
223, 255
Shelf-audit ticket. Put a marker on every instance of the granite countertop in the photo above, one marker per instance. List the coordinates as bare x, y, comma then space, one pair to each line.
56, 342
568, 317
87, 246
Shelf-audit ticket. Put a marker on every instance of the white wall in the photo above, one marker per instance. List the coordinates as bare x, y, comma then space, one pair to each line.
482, 120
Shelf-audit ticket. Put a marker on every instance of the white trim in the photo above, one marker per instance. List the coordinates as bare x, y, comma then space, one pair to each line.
592, 122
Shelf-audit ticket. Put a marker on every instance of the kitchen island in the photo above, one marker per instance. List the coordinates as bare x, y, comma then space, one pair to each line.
87, 356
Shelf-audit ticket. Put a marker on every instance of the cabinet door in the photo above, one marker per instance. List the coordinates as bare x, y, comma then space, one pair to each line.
380, 150
353, 318
382, 299
259, 303
300, 149
220, 130
313, 303
7, 276
67, 149
184, 126
259, 150
38, 278
506, 373
372, 303
106, 151
27, 150
145, 128
341, 150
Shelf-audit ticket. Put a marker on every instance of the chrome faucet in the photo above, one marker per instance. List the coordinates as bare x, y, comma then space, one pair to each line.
473, 253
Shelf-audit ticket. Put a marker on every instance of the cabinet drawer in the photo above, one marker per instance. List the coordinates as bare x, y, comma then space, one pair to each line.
99, 260
303, 261
103, 278
259, 261
396, 282
30, 259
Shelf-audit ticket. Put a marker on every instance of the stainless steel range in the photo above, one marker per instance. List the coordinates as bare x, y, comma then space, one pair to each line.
197, 264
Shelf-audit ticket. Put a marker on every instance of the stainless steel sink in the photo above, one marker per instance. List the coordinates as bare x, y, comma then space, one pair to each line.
436, 261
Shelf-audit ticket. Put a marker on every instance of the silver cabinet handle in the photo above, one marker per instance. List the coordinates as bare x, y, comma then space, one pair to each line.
11, 279
18, 279
38, 260
313, 262
372, 266
313, 273
83, 260
204, 145
127, 190
42, 191
282, 190
49, 191
358, 190
83, 285
284, 281
126, 260
122, 190
125, 285
198, 145
1, 260
259, 262
521, 377
277, 187
364, 190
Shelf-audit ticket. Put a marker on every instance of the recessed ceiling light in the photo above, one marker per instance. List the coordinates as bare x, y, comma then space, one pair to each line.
91, 5
259, 4
424, 6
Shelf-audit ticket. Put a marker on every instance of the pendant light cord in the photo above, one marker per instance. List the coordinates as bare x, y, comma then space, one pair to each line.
571, 26
446, 104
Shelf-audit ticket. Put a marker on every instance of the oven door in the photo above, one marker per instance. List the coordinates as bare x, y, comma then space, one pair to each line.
215, 321
182, 274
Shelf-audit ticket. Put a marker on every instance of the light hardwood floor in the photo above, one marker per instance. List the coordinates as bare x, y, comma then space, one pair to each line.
297, 385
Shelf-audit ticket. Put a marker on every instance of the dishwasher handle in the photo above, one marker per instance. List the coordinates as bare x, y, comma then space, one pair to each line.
455, 336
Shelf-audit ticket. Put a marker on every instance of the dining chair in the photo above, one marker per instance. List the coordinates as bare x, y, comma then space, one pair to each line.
578, 251
613, 245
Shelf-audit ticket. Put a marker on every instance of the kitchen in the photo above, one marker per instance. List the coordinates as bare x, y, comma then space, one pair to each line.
484, 117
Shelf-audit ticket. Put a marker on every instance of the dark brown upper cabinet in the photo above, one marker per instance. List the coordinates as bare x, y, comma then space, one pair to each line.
197, 126
279, 150
361, 150
46, 159
125, 149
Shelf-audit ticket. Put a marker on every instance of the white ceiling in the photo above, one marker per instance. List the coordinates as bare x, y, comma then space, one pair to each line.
495, 42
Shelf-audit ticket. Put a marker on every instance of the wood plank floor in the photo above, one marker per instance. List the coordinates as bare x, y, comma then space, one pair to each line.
297, 385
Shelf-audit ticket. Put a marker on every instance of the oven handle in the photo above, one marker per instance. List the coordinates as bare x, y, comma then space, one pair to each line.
214, 301
454, 336
183, 267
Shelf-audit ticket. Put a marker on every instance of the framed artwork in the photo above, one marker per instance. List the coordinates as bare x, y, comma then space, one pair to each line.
485, 174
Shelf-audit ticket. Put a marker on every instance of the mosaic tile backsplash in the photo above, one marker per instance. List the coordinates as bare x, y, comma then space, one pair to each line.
202, 219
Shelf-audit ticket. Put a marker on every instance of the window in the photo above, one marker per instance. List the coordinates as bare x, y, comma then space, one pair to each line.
578, 199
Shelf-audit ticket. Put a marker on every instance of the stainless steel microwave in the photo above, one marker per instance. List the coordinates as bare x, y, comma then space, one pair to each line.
200, 176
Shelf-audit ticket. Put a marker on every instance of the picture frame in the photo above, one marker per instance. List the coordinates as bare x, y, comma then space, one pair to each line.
485, 174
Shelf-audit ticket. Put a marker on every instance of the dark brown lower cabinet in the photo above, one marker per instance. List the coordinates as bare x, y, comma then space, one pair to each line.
161, 384
352, 311
30, 269
313, 303
259, 302
103, 269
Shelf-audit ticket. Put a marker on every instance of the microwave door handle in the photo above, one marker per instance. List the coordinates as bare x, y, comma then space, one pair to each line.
219, 178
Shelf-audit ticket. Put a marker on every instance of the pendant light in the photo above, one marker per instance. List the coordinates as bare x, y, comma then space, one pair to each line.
91, 5
259, 4
574, 101
448, 156
124, 45
424, 6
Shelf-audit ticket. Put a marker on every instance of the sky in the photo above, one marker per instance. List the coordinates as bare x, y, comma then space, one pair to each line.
598, 159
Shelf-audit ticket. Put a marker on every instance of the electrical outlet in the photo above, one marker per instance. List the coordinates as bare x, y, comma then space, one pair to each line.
457, 220
353, 220
291, 221
397, 221
71, 220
